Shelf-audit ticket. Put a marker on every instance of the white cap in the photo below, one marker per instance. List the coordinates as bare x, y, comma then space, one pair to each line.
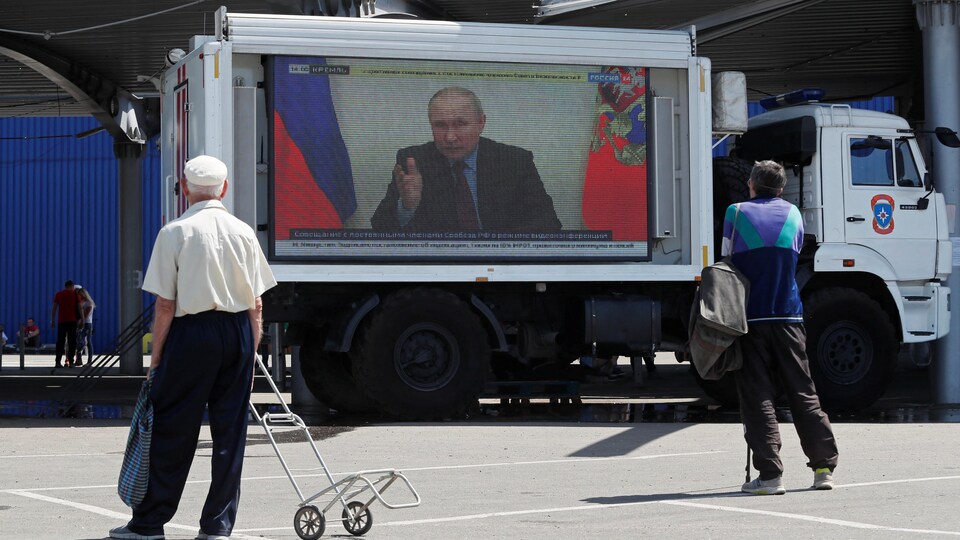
205, 171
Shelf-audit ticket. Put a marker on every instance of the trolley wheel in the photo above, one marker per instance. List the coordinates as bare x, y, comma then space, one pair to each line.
309, 522
362, 520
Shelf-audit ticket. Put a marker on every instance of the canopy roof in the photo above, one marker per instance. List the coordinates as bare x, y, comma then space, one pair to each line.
852, 49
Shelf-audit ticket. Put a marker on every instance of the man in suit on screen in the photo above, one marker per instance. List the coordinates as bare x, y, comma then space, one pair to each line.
462, 181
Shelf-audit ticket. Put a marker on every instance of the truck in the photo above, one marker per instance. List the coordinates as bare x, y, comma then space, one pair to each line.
598, 201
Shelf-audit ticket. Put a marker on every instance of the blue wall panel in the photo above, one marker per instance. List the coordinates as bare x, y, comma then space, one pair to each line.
59, 220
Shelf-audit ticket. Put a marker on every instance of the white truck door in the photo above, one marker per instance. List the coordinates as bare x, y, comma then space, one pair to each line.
191, 120
881, 192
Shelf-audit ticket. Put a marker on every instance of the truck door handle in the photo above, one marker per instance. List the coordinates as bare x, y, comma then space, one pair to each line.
853, 219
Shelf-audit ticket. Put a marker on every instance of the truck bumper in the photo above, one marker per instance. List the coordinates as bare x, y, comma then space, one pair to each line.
926, 312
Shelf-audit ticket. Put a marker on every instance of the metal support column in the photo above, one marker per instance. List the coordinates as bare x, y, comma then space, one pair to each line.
939, 21
130, 276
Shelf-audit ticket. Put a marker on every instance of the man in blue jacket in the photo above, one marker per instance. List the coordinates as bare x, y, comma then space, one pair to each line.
764, 236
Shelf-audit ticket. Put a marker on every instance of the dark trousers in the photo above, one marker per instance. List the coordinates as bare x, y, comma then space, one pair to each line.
776, 353
66, 332
207, 361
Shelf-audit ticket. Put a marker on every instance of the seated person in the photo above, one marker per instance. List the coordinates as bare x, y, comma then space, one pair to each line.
31, 333
464, 182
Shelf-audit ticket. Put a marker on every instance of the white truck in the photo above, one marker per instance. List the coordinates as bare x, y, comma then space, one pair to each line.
592, 224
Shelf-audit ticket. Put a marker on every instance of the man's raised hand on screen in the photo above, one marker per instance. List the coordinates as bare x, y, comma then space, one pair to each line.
409, 184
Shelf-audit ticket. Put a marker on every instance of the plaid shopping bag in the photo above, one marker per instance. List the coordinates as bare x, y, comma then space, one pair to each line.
135, 471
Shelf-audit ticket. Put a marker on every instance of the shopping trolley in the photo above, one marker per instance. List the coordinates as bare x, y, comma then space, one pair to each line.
309, 520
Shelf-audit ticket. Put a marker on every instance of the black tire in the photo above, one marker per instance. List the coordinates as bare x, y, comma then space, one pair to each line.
329, 377
851, 345
722, 390
423, 354
309, 522
362, 521
730, 177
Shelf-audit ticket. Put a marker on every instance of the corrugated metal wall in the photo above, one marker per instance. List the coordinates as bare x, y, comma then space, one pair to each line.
58, 219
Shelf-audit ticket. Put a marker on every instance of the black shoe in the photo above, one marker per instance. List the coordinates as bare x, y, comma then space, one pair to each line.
78, 363
615, 374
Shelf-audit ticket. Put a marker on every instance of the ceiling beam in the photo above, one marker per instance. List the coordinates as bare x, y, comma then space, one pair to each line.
122, 114
731, 21
550, 8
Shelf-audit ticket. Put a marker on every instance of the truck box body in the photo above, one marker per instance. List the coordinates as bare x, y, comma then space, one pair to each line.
539, 90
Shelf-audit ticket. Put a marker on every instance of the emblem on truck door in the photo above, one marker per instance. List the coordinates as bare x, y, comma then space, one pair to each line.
882, 206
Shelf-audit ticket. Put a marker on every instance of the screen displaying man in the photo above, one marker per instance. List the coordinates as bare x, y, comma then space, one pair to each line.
462, 181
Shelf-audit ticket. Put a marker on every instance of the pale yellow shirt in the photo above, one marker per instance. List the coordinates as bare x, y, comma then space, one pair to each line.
208, 260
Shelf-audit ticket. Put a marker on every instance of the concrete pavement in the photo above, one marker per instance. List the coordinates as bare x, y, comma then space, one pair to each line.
511, 480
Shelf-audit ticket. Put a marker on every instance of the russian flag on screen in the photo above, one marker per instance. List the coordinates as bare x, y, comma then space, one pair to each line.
615, 184
313, 180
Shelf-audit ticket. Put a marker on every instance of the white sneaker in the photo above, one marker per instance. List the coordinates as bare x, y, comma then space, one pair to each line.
823, 479
124, 533
204, 536
764, 487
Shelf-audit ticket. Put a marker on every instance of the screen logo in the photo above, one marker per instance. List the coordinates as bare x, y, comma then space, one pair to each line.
607, 78
318, 69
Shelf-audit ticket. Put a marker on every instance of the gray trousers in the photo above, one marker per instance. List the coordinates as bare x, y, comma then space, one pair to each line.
775, 358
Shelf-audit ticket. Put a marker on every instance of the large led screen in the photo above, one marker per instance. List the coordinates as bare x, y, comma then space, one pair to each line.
441, 160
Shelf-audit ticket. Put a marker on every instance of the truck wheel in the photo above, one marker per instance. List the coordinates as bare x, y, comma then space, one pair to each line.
722, 390
852, 347
423, 355
329, 378
730, 177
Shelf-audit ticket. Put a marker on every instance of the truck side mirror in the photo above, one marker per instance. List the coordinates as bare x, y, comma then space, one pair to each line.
947, 137
927, 181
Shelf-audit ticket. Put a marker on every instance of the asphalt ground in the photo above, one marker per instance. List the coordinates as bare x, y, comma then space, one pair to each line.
515, 472
505, 480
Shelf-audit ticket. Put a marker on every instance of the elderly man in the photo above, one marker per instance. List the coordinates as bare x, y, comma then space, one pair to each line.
462, 181
208, 272
764, 236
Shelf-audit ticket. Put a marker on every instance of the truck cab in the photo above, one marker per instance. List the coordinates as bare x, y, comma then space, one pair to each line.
876, 248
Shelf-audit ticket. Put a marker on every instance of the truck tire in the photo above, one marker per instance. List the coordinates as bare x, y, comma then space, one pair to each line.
330, 379
722, 390
423, 355
730, 177
851, 345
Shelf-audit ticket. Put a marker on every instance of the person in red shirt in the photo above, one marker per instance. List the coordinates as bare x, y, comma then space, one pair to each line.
31, 333
65, 316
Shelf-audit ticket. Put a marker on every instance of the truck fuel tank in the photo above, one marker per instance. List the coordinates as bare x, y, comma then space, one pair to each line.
629, 324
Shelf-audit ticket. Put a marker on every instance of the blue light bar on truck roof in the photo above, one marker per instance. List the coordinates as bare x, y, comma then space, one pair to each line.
804, 95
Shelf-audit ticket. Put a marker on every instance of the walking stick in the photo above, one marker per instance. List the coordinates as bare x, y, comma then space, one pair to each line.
747, 468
